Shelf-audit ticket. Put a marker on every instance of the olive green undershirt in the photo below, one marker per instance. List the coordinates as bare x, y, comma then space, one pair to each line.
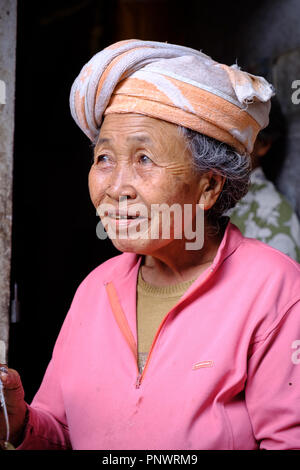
153, 303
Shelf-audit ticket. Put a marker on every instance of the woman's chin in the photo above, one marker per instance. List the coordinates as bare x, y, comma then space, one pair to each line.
138, 246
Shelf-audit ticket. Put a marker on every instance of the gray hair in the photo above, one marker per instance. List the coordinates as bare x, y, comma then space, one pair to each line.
211, 155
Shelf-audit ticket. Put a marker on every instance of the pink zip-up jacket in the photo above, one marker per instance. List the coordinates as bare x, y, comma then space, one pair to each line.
223, 371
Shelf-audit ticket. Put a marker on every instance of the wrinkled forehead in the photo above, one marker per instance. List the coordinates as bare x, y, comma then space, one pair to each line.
139, 131
139, 128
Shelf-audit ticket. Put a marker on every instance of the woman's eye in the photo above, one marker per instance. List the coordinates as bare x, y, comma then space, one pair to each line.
102, 159
144, 159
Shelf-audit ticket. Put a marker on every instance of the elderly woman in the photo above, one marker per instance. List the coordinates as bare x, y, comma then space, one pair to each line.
188, 339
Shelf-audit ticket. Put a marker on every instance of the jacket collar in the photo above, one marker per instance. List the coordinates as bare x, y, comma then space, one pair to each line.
128, 263
122, 279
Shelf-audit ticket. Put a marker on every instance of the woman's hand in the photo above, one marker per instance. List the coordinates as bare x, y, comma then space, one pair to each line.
15, 405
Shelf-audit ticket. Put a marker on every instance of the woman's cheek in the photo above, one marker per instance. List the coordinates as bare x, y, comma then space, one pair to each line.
96, 185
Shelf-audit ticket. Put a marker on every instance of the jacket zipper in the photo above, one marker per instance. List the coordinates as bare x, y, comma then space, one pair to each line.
141, 375
138, 381
123, 324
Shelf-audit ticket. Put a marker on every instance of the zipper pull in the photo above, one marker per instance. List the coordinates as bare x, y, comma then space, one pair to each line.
138, 381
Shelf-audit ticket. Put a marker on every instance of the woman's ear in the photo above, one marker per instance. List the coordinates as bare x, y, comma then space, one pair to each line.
211, 185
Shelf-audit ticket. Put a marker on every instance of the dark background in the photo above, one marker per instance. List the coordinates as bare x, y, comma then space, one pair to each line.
54, 223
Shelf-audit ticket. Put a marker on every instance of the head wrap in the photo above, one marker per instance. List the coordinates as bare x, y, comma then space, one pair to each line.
173, 83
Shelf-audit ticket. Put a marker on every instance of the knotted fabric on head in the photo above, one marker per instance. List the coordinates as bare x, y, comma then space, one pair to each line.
173, 83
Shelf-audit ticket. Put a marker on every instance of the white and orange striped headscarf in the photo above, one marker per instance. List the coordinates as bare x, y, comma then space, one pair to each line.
175, 84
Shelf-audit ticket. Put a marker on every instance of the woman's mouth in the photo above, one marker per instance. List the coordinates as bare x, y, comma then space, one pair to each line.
124, 216
125, 221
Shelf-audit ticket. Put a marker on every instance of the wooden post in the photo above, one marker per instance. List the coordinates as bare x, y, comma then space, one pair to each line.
8, 14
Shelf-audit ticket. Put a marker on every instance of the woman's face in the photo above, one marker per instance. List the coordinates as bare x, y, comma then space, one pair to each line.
141, 163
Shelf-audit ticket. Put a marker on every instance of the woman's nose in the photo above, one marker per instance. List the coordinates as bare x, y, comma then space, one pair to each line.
121, 185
